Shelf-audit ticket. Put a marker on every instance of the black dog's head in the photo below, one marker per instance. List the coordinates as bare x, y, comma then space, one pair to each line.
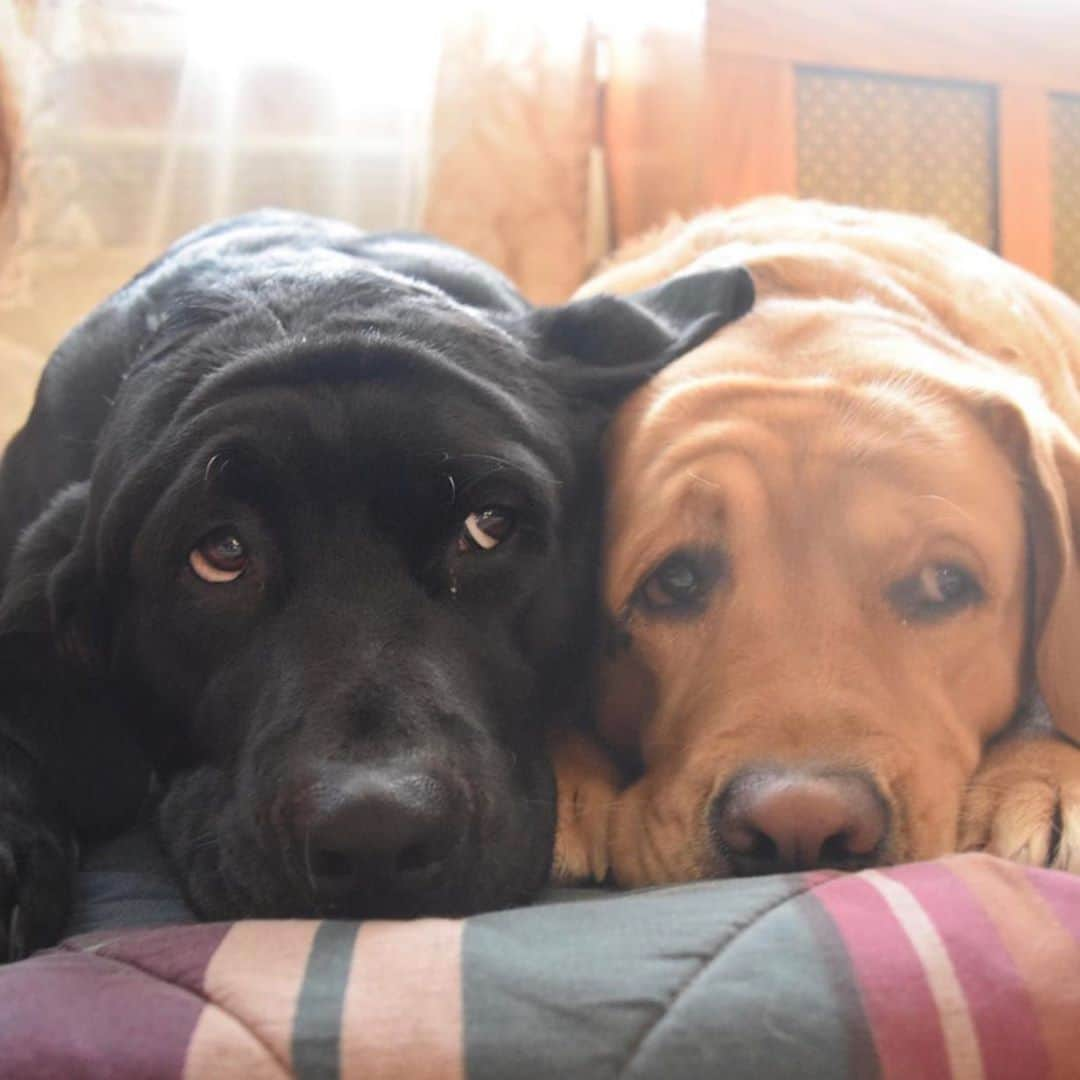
337, 551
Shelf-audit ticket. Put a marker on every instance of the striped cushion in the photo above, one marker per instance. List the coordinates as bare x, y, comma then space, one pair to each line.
966, 967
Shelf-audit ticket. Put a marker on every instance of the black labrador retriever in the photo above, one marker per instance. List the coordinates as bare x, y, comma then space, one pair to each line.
304, 525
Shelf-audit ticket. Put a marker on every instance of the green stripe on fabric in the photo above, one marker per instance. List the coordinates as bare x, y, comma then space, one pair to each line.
686, 982
764, 1006
316, 1035
862, 1058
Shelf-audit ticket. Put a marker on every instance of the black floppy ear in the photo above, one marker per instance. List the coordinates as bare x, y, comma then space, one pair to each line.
56, 705
620, 341
51, 593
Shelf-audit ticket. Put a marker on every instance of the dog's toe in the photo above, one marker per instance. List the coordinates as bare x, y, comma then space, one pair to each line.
1024, 805
37, 864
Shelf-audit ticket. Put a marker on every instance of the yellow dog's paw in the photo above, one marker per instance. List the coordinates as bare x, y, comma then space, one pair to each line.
588, 786
1024, 804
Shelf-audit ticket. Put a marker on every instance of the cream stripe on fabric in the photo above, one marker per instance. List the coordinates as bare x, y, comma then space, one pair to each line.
222, 1048
403, 1009
253, 979
961, 1041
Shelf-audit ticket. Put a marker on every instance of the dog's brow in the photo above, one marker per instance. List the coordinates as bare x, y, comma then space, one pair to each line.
497, 461
496, 467
952, 506
492, 465
242, 470
215, 466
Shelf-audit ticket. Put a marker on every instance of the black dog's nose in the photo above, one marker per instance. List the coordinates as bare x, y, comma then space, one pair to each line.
771, 821
366, 823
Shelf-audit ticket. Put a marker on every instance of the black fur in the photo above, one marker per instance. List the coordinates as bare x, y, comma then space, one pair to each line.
343, 402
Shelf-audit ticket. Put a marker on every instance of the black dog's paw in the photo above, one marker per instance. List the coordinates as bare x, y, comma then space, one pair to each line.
37, 869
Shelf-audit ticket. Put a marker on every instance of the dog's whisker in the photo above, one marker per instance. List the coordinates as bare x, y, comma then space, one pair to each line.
204, 843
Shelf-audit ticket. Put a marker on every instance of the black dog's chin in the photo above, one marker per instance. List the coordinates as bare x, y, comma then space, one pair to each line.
230, 868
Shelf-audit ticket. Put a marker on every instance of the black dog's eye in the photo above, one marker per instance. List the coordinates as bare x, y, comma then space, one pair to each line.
219, 556
486, 529
937, 590
681, 583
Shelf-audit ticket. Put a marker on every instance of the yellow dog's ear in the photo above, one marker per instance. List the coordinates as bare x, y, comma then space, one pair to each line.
1057, 606
1048, 457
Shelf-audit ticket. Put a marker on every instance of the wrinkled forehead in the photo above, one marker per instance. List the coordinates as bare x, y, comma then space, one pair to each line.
811, 462
357, 436
330, 442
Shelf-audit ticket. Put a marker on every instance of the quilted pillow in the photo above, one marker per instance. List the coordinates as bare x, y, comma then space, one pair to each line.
968, 966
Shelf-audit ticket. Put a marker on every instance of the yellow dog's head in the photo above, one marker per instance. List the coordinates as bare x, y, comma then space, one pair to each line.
841, 551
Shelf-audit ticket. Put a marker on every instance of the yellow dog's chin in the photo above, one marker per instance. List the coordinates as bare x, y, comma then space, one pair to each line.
1023, 805
660, 835
658, 830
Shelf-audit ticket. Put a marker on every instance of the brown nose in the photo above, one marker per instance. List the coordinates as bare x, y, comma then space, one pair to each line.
776, 820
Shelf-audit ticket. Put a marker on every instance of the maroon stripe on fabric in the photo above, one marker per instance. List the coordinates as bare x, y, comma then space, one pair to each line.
895, 993
1006, 1022
178, 954
118, 1005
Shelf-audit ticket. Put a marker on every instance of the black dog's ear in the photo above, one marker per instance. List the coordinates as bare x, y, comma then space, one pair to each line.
56, 705
81, 627
620, 341
51, 592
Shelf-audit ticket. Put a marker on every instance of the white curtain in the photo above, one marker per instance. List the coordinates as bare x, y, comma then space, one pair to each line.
138, 120
142, 120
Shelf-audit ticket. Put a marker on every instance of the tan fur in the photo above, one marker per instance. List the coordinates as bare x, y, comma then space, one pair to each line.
587, 789
897, 399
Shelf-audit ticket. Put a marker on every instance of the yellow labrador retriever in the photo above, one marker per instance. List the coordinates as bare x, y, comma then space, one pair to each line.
841, 564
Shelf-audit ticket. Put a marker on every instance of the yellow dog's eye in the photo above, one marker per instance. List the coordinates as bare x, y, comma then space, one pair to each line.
486, 529
680, 584
219, 557
935, 591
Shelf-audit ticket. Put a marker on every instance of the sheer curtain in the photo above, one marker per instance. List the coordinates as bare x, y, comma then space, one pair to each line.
140, 121
125, 123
